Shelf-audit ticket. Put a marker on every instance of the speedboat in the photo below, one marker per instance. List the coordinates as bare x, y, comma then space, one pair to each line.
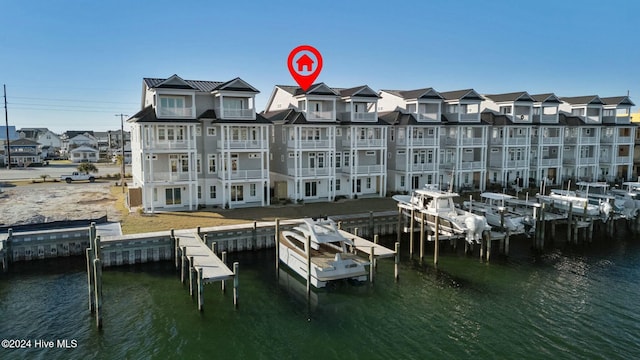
492, 206
329, 252
579, 205
453, 221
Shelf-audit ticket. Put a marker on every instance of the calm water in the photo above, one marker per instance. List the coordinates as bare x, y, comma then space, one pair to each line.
569, 304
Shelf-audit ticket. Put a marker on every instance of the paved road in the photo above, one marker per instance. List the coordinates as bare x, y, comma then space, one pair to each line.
55, 171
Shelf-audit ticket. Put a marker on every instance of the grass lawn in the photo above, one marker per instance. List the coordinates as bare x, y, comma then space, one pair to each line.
136, 223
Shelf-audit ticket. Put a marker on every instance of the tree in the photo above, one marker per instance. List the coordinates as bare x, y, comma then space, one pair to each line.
87, 168
44, 177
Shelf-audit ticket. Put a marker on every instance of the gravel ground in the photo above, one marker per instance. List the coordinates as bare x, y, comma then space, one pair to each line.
35, 203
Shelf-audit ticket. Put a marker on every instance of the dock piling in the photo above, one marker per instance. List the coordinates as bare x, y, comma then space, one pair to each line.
569, 222
399, 229
422, 235
183, 267
396, 274
200, 290
375, 261
97, 268
411, 234
224, 260
308, 253
191, 275
371, 261
90, 279
254, 236
437, 241
277, 242
236, 281
214, 248
177, 252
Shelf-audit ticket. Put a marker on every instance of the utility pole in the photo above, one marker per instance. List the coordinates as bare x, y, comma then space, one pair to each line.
6, 120
122, 148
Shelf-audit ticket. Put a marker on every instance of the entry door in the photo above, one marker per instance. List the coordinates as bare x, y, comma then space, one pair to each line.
415, 182
237, 193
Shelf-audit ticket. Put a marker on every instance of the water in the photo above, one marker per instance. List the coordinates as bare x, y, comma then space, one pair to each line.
569, 304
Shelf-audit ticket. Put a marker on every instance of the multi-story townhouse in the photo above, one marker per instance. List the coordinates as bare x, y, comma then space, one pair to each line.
199, 143
636, 153
463, 139
547, 138
581, 145
25, 152
327, 142
510, 116
616, 139
414, 140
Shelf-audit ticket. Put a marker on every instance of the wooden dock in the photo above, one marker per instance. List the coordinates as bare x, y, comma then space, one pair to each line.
201, 264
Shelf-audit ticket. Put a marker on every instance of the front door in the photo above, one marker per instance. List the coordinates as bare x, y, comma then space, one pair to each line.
237, 193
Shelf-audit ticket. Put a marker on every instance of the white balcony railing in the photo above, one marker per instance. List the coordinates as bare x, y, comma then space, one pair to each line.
238, 113
517, 140
306, 172
471, 165
248, 174
309, 144
516, 163
363, 116
470, 117
623, 159
586, 161
625, 140
170, 145
427, 116
320, 115
549, 162
364, 170
473, 141
521, 118
365, 143
170, 176
175, 112
589, 140
242, 144
551, 140
607, 139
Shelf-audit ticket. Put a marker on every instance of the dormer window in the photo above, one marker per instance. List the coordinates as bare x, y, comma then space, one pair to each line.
505, 109
578, 112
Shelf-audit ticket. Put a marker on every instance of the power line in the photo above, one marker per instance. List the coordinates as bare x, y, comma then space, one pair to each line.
63, 110
62, 106
72, 100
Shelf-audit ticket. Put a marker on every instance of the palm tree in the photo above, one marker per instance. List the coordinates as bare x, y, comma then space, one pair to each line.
87, 168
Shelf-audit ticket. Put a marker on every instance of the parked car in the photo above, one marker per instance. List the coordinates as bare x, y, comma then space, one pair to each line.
77, 176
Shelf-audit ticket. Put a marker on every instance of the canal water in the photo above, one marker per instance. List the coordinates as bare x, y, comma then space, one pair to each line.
573, 303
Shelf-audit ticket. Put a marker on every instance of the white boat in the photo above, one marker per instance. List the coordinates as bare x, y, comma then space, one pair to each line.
329, 254
498, 213
597, 193
630, 195
452, 221
578, 205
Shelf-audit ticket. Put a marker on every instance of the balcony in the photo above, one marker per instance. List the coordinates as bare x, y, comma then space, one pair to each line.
417, 167
248, 174
545, 162
237, 113
521, 117
625, 159
309, 144
320, 115
242, 145
427, 116
516, 164
427, 141
547, 118
307, 172
471, 165
625, 139
473, 141
175, 112
359, 116
365, 143
570, 140
517, 141
589, 140
586, 161
170, 176
551, 140
170, 145
607, 139
470, 117
364, 170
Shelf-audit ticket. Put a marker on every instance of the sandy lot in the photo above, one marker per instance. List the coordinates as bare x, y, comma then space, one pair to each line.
34, 203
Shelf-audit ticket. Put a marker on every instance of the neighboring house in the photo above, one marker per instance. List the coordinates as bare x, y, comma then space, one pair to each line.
75, 138
13, 135
199, 143
118, 152
84, 153
510, 116
463, 150
50, 143
616, 139
102, 141
25, 152
547, 138
414, 140
327, 142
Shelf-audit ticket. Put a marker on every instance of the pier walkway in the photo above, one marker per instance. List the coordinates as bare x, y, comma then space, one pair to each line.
213, 268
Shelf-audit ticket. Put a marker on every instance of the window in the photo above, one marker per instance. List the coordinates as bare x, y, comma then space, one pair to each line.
346, 159
337, 184
392, 134
368, 183
199, 192
370, 153
199, 163
609, 112
338, 160
291, 155
536, 111
252, 189
162, 136
254, 156
173, 196
338, 132
212, 163
198, 130
401, 152
212, 192
494, 150
505, 109
468, 151
184, 163
431, 131
401, 180
211, 131
311, 188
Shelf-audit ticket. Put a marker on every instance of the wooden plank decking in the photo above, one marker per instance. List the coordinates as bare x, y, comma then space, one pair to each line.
365, 246
213, 269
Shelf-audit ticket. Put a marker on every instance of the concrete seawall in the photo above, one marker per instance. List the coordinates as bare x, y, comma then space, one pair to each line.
157, 246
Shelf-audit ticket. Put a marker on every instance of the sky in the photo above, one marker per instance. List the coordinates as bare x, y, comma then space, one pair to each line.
77, 65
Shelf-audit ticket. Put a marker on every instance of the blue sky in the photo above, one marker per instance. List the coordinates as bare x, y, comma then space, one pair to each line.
75, 64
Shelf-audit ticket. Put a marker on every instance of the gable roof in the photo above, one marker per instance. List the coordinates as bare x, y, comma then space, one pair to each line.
399, 118
73, 133
176, 82
582, 100
83, 148
461, 94
549, 97
494, 118
314, 89
423, 93
359, 91
617, 100
237, 84
24, 142
510, 97
293, 117
570, 120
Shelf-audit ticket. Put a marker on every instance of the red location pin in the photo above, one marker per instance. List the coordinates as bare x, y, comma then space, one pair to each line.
302, 65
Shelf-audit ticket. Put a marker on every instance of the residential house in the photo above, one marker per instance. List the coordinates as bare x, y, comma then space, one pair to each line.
116, 153
75, 138
547, 136
327, 142
582, 119
463, 139
616, 139
510, 116
84, 153
414, 140
13, 135
24, 153
199, 143
49, 141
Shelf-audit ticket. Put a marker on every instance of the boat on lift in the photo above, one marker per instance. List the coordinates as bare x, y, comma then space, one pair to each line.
329, 252
453, 221
496, 209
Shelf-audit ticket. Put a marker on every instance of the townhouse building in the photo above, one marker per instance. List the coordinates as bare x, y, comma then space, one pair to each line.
547, 136
327, 142
509, 148
414, 138
199, 143
464, 141
616, 139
